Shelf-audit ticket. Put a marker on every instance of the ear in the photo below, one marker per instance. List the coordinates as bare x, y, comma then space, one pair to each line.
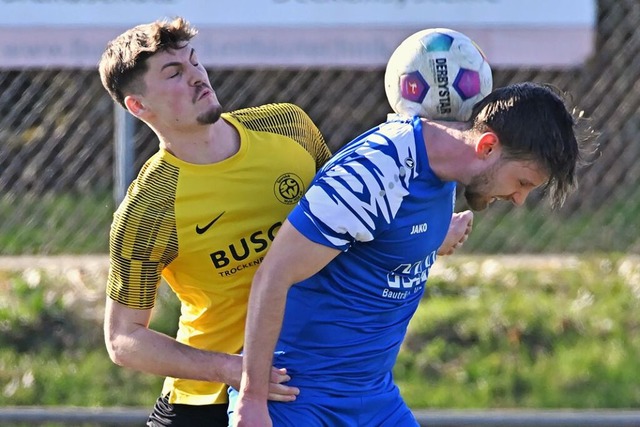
487, 144
134, 105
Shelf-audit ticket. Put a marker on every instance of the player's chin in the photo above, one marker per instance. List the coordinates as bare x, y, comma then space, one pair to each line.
477, 202
211, 115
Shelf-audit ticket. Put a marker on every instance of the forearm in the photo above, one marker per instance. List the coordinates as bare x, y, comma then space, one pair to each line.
131, 343
264, 322
155, 353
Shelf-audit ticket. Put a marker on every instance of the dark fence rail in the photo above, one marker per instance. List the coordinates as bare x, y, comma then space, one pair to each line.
71, 416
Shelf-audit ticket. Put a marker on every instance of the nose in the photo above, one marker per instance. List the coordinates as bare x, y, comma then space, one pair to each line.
197, 76
519, 197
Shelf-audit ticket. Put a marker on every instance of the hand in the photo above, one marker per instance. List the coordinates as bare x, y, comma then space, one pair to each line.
459, 229
277, 390
251, 413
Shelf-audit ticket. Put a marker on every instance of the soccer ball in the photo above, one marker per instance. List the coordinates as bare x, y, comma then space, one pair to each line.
437, 73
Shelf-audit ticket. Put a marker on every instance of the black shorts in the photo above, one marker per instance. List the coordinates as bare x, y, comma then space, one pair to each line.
180, 415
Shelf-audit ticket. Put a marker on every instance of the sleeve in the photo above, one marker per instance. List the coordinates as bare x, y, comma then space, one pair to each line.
316, 144
142, 241
359, 192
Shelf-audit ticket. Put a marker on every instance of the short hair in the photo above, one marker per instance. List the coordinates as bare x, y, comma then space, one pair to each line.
124, 60
533, 123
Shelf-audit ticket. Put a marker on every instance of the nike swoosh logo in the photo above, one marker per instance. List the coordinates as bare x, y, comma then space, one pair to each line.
201, 230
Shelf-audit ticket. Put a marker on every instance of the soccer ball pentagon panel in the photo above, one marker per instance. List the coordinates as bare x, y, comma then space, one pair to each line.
437, 73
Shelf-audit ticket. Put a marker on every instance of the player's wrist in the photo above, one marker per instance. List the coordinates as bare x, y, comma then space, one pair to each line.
226, 368
257, 396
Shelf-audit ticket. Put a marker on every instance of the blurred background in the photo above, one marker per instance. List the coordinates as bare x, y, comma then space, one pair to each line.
565, 336
57, 123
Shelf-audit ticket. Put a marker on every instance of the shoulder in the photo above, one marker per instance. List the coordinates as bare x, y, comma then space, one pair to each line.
286, 120
149, 203
154, 187
283, 119
265, 116
393, 139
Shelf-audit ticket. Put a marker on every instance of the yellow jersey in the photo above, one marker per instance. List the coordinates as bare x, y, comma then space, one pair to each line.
206, 228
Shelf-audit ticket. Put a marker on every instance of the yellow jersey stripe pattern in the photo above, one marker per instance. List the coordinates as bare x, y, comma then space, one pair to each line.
287, 120
137, 259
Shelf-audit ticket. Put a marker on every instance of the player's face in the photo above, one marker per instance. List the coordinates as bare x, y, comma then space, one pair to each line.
505, 180
177, 88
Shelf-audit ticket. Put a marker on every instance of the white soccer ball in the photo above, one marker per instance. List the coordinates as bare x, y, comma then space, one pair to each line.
437, 73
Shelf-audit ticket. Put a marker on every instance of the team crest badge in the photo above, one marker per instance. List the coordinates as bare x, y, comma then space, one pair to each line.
288, 188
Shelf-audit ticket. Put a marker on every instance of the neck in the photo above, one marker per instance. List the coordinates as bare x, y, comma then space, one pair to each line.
204, 144
451, 154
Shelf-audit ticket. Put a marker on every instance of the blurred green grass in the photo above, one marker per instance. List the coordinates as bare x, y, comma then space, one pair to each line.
51, 224
51, 341
561, 336
492, 332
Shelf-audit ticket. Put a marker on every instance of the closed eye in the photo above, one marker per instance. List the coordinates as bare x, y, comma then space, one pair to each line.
193, 58
171, 69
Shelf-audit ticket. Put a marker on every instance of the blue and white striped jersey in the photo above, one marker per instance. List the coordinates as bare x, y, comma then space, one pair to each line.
379, 202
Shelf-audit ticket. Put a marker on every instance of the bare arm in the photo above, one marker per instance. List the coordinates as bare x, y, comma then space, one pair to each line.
291, 258
132, 344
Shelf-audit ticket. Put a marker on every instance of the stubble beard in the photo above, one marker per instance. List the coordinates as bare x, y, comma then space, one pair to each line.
210, 116
475, 200
476, 193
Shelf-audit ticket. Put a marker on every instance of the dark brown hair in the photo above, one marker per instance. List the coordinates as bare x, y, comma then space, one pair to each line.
124, 60
533, 123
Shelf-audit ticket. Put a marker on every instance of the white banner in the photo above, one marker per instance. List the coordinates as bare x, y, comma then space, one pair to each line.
299, 33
